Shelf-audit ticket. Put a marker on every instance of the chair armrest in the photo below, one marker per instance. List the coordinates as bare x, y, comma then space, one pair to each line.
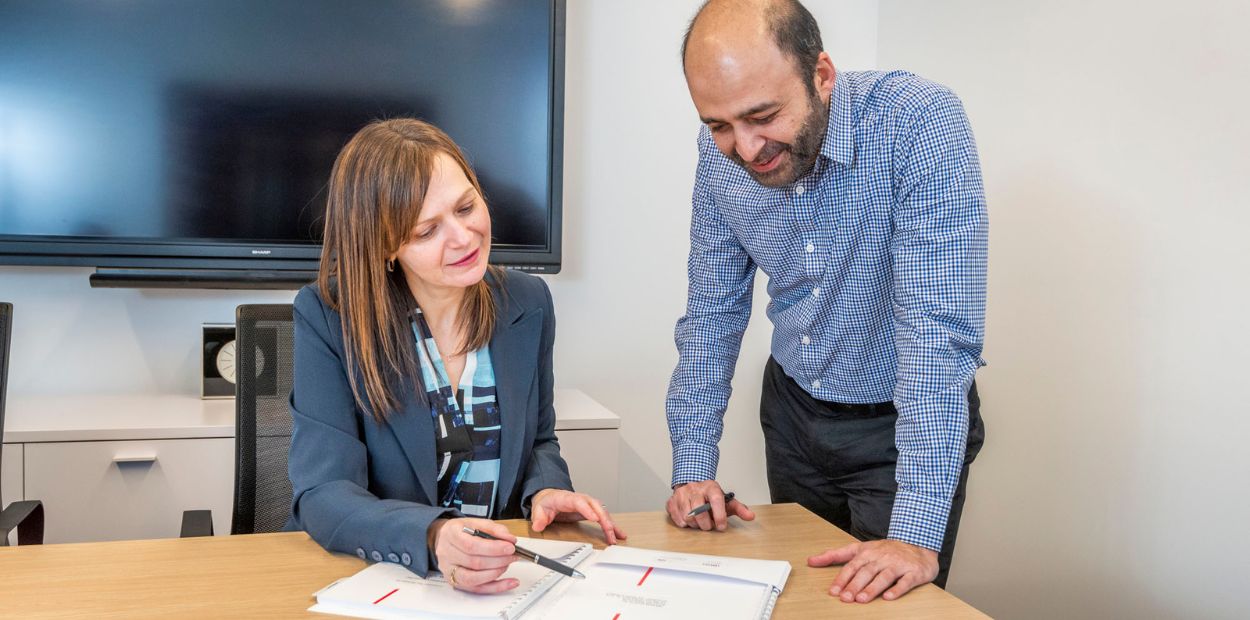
196, 523
27, 517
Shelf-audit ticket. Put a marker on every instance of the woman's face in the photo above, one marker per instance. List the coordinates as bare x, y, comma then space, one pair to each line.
450, 245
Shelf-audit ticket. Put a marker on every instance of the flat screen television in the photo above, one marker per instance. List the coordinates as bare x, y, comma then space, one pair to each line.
185, 141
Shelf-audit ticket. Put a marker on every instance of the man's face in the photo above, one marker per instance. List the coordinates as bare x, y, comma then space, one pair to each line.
762, 115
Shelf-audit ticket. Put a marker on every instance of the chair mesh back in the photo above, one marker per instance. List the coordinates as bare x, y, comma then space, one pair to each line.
264, 344
6, 320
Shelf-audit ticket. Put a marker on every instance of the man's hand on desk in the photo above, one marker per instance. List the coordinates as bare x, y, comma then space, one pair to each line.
690, 495
560, 505
872, 567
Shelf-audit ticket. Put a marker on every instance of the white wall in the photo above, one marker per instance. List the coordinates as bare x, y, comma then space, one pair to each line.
1113, 139
629, 167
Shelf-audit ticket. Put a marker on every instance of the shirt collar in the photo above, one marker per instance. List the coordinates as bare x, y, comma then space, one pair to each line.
839, 142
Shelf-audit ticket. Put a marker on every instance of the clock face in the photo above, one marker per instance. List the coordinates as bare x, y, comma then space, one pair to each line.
225, 361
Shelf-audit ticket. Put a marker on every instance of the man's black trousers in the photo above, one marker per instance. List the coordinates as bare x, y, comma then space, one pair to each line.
837, 460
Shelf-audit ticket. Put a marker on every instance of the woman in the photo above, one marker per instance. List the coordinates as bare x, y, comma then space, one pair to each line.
423, 386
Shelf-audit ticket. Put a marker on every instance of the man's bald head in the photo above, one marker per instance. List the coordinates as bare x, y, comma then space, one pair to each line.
723, 27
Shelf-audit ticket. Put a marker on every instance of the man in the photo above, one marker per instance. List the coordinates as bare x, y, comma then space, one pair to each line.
859, 194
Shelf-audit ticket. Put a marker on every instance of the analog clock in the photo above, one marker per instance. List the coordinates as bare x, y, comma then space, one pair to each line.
225, 361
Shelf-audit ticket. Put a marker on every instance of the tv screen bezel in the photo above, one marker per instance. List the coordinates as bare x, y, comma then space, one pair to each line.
51, 250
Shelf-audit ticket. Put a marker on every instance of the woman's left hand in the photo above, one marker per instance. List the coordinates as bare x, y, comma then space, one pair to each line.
560, 505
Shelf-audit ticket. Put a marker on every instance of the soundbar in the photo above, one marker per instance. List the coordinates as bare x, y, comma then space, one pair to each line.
252, 279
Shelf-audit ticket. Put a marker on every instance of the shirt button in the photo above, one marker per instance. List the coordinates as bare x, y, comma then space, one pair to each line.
391, 557
816, 384
810, 247
805, 339
798, 190
405, 559
376, 555
816, 292
360, 553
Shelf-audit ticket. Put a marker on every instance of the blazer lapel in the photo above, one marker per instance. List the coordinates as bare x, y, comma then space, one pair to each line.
514, 355
414, 431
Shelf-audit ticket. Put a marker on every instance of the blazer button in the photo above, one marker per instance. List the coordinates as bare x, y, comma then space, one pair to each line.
405, 559
376, 555
360, 553
391, 557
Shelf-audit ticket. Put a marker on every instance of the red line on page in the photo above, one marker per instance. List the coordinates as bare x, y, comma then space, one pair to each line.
644, 575
617, 616
386, 595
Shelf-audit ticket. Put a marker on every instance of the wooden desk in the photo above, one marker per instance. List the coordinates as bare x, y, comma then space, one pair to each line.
274, 575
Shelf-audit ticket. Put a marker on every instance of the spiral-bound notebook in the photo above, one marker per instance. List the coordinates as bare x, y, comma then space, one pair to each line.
387, 590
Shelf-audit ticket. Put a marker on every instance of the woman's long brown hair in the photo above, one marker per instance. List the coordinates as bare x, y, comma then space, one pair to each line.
376, 190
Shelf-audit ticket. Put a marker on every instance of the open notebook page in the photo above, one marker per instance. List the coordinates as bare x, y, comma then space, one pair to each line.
642, 584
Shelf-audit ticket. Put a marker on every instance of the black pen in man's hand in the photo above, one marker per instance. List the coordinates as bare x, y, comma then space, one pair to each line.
542, 561
729, 497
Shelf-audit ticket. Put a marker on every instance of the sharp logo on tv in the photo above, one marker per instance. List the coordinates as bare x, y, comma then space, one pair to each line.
262, 252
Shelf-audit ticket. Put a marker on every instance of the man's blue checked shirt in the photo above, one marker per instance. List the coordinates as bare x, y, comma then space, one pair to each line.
876, 263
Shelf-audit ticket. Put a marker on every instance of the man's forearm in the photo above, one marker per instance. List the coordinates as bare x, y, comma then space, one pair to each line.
931, 437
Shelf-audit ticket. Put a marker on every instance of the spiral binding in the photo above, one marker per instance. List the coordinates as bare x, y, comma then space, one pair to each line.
527, 598
772, 602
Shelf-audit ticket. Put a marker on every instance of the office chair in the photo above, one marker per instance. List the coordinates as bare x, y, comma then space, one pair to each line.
25, 516
264, 345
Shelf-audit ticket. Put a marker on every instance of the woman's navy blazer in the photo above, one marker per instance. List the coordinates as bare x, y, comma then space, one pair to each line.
370, 488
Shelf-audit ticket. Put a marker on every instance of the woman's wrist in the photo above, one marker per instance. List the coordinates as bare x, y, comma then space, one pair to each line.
431, 535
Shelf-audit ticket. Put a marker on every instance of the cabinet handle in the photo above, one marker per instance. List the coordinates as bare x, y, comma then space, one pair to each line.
135, 458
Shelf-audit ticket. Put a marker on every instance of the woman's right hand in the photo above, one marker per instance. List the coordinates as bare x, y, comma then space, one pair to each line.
471, 563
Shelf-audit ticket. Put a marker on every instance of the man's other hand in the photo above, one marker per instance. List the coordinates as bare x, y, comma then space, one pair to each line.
872, 568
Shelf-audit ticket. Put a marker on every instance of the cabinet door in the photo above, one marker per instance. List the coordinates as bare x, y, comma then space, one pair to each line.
11, 478
119, 490
592, 456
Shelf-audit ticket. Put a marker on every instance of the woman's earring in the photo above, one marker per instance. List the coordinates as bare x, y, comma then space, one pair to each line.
390, 265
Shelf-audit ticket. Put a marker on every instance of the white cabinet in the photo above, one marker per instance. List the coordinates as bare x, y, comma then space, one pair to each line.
592, 455
590, 442
125, 467
119, 490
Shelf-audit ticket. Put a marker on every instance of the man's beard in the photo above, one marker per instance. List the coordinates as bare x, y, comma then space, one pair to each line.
803, 151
